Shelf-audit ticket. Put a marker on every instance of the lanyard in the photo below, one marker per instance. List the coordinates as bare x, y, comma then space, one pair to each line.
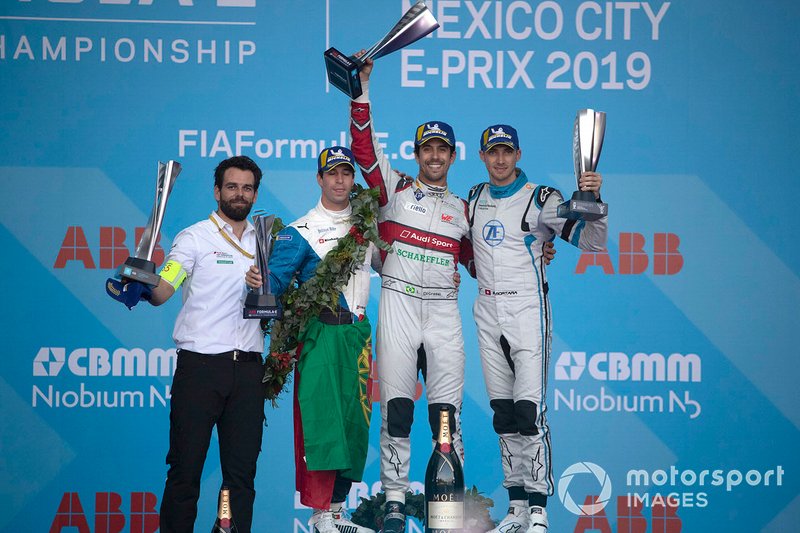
228, 238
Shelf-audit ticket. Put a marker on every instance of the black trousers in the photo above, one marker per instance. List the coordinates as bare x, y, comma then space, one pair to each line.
209, 390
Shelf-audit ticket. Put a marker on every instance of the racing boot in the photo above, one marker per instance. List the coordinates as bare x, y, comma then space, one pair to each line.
344, 525
538, 520
394, 519
322, 522
516, 521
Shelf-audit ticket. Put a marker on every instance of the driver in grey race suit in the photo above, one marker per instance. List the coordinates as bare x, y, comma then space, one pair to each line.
512, 220
419, 324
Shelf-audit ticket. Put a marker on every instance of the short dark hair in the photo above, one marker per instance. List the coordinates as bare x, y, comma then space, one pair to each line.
418, 146
242, 162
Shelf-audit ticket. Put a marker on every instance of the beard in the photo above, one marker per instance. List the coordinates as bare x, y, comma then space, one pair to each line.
235, 212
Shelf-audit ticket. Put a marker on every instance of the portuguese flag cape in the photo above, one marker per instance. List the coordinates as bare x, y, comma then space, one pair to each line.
332, 407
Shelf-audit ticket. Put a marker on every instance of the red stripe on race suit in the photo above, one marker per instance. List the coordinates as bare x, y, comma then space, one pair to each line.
467, 254
393, 231
364, 150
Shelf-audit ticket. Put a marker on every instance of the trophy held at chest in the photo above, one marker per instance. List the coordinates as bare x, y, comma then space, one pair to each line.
140, 267
343, 70
260, 302
587, 142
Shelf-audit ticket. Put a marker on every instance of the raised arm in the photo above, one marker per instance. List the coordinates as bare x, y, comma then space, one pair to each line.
374, 164
586, 235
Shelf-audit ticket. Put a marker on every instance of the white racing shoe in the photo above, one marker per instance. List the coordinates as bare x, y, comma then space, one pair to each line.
538, 520
344, 525
322, 522
516, 521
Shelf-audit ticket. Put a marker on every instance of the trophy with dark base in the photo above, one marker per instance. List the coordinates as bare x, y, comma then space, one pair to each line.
587, 142
140, 267
343, 69
260, 302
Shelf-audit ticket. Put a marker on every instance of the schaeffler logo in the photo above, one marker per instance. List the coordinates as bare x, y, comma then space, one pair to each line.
603, 481
618, 366
83, 362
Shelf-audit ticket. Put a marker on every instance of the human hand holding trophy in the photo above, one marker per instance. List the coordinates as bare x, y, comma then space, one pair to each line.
260, 301
343, 70
137, 276
587, 143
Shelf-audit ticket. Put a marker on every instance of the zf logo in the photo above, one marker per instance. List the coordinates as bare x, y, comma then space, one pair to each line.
494, 232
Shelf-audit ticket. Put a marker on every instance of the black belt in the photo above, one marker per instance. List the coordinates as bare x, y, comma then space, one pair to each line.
240, 356
335, 318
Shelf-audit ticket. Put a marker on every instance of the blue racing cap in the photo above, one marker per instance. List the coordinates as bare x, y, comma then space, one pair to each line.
499, 134
335, 156
435, 130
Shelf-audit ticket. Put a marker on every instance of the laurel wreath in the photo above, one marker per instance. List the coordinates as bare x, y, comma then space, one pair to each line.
302, 302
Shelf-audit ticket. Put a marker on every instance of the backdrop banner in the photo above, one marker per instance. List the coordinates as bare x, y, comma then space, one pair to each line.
672, 397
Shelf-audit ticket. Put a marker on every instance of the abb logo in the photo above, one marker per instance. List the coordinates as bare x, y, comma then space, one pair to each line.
112, 250
633, 259
108, 515
630, 518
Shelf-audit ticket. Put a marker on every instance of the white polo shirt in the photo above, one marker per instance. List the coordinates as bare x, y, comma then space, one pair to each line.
210, 320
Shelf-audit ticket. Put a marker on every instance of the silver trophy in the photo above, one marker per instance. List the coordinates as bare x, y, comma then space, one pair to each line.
140, 267
260, 302
343, 70
587, 143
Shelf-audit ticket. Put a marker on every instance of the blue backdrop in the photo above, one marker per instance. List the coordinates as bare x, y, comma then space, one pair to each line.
673, 383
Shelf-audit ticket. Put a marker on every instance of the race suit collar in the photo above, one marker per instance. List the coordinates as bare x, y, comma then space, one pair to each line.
336, 216
431, 190
507, 190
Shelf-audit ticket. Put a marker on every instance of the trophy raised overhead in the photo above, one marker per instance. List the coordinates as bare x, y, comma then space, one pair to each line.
343, 69
587, 143
261, 302
140, 267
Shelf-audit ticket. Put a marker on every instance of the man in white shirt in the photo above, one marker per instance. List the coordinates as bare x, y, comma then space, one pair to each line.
219, 370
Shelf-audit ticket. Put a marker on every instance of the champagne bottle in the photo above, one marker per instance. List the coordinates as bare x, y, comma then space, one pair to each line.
444, 484
224, 522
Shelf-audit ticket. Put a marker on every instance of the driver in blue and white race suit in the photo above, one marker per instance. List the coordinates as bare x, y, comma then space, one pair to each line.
512, 219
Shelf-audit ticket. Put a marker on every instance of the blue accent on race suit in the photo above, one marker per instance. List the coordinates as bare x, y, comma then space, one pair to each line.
290, 256
576, 233
529, 240
505, 191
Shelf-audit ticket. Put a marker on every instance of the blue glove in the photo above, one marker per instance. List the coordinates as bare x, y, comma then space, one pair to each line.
129, 292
